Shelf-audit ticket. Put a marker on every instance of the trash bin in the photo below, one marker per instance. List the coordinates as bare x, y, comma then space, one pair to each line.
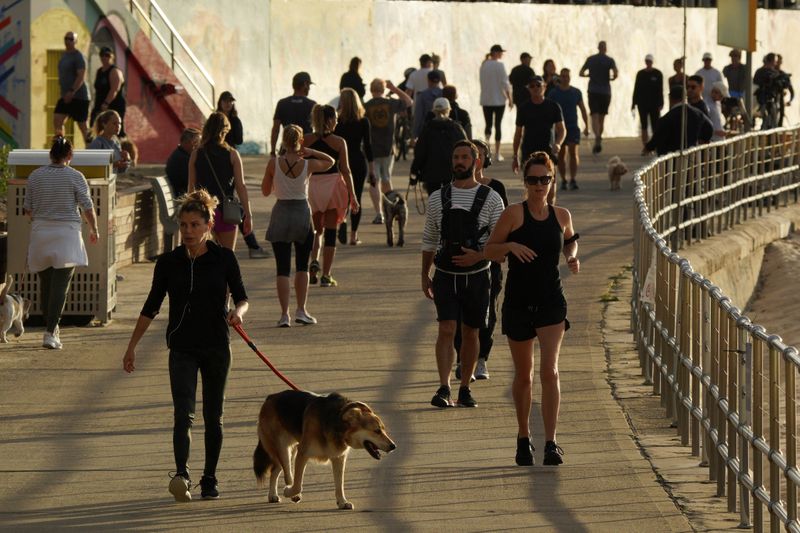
93, 293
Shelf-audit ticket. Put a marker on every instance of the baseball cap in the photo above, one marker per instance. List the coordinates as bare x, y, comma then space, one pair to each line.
648, 57
301, 78
524, 55
441, 104
496, 48
707, 55
227, 96
106, 51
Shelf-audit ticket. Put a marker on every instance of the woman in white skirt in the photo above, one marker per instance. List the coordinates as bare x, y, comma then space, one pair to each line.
52, 198
290, 222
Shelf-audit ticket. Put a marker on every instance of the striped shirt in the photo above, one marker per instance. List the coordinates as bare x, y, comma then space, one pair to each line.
55, 192
460, 199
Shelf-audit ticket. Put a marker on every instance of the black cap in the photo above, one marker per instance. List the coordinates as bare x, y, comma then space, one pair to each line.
300, 78
496, 48
524, 55
227, 96
106, 51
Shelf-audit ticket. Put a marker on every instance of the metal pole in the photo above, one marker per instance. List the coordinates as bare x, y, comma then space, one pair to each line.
748, 90
746, 419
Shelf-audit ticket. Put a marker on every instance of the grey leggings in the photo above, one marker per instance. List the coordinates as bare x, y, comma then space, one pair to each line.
213, 364
54, 288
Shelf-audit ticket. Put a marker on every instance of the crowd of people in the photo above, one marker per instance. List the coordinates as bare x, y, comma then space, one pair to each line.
318, 172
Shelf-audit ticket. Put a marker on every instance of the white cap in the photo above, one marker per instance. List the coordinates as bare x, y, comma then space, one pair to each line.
648, 57
441, 104
707, 55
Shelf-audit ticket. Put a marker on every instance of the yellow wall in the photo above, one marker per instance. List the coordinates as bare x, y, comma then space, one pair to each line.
47, 33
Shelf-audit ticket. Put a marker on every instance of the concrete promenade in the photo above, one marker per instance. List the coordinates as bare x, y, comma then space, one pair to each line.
86, 446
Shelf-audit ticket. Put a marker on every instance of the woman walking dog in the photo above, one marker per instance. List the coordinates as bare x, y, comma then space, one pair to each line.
197, 277
533, 234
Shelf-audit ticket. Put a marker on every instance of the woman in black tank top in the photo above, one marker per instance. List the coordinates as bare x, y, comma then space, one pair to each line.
108, 84
533, 234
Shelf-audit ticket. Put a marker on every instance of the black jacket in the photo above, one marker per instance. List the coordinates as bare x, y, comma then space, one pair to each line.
434, 150
667, 135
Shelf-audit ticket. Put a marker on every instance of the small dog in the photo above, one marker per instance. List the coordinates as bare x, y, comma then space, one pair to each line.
298, 426
616, 169
394, 207
13, 311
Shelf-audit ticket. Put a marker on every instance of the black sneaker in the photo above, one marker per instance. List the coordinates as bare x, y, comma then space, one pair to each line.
208, 488
563, 185
442, 397
597, 148
342, 233
465, 398
552, 453
313, 272
573, 185
524, 452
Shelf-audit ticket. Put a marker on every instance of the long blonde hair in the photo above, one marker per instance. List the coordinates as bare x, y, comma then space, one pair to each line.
350, 107
214, 130
292, 138
320, 116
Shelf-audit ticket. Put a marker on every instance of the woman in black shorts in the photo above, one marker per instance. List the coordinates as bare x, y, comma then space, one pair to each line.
533, 234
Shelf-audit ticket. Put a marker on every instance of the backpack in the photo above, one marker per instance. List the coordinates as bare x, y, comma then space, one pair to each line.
460, 228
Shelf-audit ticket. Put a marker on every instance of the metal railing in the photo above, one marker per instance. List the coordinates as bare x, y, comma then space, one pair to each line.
176, 52
728, 385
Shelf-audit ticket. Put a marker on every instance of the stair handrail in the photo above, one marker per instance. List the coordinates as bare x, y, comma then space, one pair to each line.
175, 37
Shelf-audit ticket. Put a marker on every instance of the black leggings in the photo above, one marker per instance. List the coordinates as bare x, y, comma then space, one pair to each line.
213, 364
648, 115
359, 177
54, 284
497, 111
302, 251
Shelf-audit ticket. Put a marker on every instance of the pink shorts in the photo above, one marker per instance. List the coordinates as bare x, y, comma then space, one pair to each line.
219, 225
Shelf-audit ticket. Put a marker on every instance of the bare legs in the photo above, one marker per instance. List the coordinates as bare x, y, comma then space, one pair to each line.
226, 239
568, 151
522, 354
446, 354
58, 126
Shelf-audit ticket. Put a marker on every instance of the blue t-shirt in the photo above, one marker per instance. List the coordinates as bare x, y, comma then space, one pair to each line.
600, 66
568, 101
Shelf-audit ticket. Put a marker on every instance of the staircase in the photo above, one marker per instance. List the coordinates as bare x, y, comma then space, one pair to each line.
167, 87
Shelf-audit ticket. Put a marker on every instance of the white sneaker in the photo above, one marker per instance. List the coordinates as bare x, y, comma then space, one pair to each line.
499, 157
481, 372
284, 322
179, 487
51, 342
301, 317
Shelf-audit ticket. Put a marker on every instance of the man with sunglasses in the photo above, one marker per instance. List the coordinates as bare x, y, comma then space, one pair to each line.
460, 217
74, 101
694, 94
536, 119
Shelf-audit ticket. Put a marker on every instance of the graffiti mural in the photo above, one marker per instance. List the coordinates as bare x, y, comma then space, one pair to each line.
12, 73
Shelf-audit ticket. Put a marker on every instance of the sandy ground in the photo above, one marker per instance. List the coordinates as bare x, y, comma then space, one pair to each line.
775, 304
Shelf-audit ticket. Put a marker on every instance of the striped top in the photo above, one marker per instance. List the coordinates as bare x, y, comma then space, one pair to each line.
54, 192
461, 199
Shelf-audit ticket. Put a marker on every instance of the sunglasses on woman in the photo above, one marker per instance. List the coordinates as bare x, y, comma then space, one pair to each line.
538, 180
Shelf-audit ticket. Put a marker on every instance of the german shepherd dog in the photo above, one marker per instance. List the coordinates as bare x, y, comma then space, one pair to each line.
298, 426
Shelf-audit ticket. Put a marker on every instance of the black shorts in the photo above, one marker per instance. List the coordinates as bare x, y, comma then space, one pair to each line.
464, 295
598, 103
520, 323
78, 110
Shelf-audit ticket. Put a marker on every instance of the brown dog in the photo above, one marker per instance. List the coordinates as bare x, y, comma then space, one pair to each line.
616, 169
298, 426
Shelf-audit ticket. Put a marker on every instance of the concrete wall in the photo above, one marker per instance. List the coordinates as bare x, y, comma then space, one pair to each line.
254, 49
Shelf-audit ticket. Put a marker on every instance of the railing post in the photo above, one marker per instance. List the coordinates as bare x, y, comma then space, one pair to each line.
791, 431
758, 424
774, 429
745, 417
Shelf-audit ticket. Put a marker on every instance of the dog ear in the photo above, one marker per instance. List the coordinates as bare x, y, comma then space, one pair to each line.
354, 409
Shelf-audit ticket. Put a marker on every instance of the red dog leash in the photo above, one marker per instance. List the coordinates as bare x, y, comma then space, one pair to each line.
251, 344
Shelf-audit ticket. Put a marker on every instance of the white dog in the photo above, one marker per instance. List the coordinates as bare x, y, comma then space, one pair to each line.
13, 311
616, 169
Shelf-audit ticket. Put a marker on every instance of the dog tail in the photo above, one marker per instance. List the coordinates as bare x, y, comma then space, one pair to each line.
262, 464
6, 287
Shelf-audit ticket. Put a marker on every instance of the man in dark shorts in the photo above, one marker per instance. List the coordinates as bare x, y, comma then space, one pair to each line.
648, 96
601, 71
570, 100
536, 119
74, 101
295, 109
459, 220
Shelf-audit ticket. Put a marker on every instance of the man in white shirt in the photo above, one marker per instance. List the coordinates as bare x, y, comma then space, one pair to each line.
495, 92
710, 77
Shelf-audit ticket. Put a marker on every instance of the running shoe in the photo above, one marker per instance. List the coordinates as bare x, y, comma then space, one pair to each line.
378, 219
552, 453
327, 281
284, 322
208, 488
481, 372
442, 398
465, 398
313, 272
525, 451
342, 233
573, 185
564, 185
179, 487
301, 317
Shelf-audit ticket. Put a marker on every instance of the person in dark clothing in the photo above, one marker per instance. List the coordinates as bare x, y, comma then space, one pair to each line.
108, 84
536, 120
648, 96
432, 164
667, 135
485, 334
177, 168
352, 79
532, 235
234, 138
354, 128
456, 112
520, 76
197, 276
294, 109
